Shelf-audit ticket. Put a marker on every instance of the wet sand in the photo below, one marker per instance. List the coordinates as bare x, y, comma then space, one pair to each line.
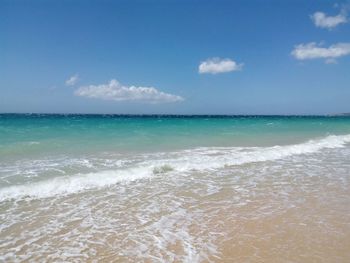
294, 210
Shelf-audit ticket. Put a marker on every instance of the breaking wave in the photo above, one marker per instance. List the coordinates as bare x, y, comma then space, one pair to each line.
162, 164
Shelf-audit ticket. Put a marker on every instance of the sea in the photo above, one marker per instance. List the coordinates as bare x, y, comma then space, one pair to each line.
159, 188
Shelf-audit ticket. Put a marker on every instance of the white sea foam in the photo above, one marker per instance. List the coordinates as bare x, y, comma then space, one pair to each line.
164, 164
72, 184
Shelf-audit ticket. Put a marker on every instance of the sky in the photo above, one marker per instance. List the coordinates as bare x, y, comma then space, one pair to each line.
175, 57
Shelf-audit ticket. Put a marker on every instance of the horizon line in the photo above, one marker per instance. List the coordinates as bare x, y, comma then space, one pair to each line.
180, 115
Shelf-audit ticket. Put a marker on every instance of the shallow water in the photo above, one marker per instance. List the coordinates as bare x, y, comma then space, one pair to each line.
159, 189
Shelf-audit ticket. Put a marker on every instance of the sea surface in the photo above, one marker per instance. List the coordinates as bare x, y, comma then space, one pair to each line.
111, 188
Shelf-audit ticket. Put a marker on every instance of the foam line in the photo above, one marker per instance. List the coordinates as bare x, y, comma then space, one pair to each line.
200, 159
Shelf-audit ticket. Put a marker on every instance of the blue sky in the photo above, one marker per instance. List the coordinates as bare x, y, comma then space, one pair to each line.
257, 57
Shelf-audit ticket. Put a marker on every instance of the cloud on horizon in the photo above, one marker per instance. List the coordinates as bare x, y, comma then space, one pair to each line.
217, 65
117, 92
321, 20
316, 51
72, 80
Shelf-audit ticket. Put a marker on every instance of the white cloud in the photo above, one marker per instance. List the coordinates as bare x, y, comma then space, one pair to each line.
72, 80
320, 19
117, 92
217, 65
315, 51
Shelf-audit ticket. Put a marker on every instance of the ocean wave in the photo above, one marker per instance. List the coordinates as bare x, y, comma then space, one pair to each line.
198, 159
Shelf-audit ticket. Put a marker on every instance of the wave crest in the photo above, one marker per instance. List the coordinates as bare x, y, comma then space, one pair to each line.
200, 159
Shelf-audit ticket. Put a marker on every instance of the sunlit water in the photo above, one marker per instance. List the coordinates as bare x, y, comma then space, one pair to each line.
165, 189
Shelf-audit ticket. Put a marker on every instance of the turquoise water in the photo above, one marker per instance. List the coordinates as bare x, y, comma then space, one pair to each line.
37, 135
